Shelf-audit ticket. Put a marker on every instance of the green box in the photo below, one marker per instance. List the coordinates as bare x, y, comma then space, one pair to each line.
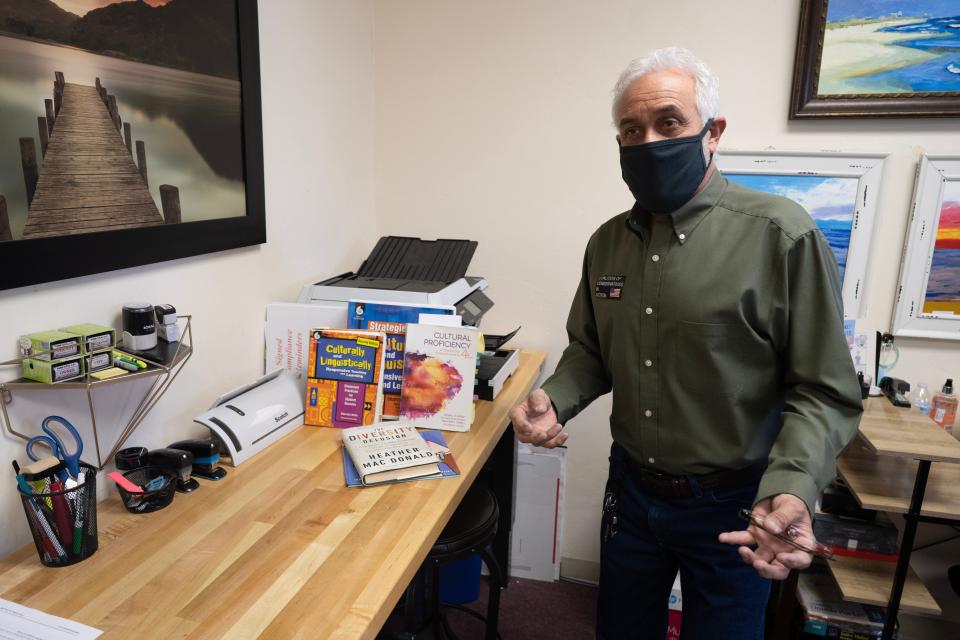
97, 361
51, 371
53, 345
93, 337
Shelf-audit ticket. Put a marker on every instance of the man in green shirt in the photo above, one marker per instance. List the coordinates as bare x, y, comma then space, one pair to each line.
713, 313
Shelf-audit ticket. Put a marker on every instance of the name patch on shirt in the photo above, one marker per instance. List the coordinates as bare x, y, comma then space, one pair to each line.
610, 287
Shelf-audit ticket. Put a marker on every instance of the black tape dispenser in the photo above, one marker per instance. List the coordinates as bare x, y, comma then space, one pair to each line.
178, 461
206, 454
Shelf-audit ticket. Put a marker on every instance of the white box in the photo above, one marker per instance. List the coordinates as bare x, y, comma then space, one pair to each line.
538, 522
675, 602
287, 335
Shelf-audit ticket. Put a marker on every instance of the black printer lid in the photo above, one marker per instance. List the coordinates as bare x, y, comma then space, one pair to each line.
402, 258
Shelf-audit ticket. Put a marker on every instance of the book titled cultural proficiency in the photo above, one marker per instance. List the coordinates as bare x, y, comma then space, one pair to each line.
439, 369
392, 319
394, 452
344, 378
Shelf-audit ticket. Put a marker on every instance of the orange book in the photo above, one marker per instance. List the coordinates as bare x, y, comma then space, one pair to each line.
344, 378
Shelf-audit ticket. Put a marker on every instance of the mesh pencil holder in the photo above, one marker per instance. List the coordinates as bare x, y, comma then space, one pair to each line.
149, 500
63, 522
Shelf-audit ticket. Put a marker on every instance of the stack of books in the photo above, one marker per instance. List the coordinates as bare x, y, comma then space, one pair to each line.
826, 614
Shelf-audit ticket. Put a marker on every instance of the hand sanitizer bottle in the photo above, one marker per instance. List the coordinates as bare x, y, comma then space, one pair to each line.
944, 410
921, 399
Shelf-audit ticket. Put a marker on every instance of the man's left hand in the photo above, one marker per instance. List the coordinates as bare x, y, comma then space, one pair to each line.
773, 558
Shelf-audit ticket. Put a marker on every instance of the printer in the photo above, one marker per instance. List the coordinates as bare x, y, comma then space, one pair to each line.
410, 270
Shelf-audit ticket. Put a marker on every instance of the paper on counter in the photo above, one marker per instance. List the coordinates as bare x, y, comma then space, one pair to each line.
23, 623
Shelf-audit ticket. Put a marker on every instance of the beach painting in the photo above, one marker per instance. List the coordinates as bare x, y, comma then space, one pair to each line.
830, 201
943, 284
890, 47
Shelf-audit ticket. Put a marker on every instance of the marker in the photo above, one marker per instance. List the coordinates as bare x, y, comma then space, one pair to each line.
122, 357
123, 364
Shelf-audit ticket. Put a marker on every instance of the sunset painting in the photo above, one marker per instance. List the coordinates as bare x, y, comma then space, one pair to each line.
117, 115
943, 284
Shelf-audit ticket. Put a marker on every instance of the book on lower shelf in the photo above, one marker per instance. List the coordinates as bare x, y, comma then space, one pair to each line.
827, 614
856, 538
392, 452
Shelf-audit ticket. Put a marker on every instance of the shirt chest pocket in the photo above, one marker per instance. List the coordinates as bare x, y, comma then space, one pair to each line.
707, 358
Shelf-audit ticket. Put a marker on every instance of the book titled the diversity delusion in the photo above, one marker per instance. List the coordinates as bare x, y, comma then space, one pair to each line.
394, 452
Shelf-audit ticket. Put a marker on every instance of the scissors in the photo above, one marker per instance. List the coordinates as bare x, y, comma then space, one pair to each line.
53, 442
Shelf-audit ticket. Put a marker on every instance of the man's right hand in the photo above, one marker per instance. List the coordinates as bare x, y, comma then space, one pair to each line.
535, 421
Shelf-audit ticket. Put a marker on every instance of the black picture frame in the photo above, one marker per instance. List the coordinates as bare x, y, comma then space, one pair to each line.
806, 103
34, 261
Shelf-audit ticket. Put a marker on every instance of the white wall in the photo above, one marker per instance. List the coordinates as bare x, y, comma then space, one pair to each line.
493, 124
318, 99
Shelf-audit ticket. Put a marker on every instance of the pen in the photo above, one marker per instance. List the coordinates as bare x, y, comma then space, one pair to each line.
78, 507
61, 515
789, 536
47, 538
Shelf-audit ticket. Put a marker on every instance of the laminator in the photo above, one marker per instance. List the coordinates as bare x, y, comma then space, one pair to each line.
408, 270
249, 419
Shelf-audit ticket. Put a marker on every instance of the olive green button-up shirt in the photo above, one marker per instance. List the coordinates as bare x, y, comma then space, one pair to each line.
719, 329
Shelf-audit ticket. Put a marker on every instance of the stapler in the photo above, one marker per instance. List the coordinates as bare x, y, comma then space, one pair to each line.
894, 389
206, 454
178, 461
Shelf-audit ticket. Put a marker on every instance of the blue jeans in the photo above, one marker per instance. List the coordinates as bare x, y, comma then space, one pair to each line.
723, 598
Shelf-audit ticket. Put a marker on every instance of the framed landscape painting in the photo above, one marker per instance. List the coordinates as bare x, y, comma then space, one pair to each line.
876, 58
839, 191
928, 300
130, 133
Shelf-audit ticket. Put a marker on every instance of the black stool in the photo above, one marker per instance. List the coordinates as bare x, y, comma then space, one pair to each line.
471, 530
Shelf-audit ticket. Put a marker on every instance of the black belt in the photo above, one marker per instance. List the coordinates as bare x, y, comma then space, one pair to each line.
665, 485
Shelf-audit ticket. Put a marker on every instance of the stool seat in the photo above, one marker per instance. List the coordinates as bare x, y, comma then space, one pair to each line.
472, 525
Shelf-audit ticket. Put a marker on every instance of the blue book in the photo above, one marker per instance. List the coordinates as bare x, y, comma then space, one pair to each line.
392, 319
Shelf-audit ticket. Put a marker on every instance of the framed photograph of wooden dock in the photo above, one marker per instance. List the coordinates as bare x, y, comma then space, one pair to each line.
130, 133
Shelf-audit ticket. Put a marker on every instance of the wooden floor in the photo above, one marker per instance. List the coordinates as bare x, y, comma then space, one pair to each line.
88, 181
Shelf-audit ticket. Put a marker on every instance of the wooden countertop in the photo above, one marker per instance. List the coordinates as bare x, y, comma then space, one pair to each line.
885, 483
278, 549
902, 432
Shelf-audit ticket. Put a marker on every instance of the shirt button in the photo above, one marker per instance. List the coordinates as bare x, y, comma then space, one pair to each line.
648, 413
651, 460
682, 236
649, 310
655, 258
648, 363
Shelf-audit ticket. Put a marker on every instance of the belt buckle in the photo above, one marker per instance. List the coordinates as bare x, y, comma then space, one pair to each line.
677, 486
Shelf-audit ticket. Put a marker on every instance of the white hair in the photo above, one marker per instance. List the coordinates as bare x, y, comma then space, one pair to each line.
707, 86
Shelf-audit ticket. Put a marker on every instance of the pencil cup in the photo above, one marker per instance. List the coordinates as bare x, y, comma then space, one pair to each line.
64, 523
150, 499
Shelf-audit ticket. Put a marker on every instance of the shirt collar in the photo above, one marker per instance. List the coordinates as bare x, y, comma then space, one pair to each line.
686, 218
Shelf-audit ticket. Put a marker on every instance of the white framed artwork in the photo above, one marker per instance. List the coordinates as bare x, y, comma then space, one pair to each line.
840, 191
928, 299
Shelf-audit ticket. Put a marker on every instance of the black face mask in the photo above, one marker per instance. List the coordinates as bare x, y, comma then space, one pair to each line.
664, 175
